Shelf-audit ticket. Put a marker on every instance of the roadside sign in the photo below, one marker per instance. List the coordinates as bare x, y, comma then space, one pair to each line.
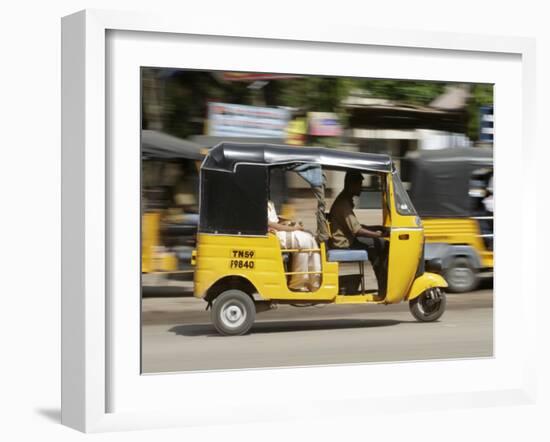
237, 120
486, 128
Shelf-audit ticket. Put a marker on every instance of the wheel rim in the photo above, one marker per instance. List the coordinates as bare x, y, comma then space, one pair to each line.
429, 302
233, 314
460, 277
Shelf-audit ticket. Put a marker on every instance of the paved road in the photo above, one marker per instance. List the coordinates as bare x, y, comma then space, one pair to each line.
177, 335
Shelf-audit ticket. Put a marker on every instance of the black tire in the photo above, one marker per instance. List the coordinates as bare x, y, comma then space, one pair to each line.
461, 276
429, 306
233, 313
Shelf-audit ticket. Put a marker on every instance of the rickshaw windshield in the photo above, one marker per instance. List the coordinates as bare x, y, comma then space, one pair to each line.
403, 203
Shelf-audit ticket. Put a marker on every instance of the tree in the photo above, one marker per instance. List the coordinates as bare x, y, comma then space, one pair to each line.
176, 101
404, 91
320, 94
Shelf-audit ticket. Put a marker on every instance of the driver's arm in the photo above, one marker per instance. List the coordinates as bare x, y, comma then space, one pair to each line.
369, 233
358, 229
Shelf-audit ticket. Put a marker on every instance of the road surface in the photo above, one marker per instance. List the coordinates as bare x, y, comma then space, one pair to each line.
177, 335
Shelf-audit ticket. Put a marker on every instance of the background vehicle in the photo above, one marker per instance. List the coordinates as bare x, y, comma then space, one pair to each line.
170, 184
447, 188
240, 267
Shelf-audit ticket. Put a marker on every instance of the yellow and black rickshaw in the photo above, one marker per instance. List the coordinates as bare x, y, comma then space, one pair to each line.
170, 184
240, 265
450, 189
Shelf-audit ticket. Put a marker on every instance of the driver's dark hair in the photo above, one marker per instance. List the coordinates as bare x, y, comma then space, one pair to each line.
352, 176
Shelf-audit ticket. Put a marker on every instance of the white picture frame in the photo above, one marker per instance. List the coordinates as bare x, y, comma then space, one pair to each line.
87, 234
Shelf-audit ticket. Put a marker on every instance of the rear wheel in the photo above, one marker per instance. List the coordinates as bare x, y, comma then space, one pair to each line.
429, 306
461, 276
233, 312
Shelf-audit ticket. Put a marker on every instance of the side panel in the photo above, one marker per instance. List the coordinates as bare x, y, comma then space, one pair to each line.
243, 194
406, 243
149, 239
259, 260
405, 255
464, 231
151, 259
487, 259
453, 231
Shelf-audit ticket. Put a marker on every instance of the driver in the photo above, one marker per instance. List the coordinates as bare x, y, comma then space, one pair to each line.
345, 226
347, 231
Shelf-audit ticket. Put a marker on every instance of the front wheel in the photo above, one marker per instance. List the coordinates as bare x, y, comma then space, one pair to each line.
233, 313
461, 276
429, 306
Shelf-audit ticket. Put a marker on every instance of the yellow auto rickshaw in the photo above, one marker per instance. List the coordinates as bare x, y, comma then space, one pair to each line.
170, 167
452, 192
241, 268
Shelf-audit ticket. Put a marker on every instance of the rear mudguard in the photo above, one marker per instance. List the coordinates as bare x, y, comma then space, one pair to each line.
423, 283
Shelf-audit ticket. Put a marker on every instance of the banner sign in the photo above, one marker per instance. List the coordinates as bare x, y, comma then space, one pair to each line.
236, 120
324, 124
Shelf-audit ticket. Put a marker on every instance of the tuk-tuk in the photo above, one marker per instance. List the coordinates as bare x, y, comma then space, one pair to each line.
170, 178
241, 267
450, 189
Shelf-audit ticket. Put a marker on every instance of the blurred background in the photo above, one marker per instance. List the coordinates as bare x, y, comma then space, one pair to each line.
440, 136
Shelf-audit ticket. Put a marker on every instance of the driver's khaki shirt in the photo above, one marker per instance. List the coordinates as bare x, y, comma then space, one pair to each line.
344, 224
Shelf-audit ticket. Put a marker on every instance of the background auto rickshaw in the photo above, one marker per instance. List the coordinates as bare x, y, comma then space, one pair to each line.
240, 266
448, 188
170, 183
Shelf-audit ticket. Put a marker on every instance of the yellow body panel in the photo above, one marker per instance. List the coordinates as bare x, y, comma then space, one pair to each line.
406, 242
424, 282
405, 255
453, 231
153, 260
258, 259
487, 259
149, 240
458, 231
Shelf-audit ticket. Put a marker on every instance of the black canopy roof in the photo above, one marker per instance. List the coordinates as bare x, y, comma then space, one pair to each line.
226, 156
209, 141
440, 180
159, 145
477, 156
